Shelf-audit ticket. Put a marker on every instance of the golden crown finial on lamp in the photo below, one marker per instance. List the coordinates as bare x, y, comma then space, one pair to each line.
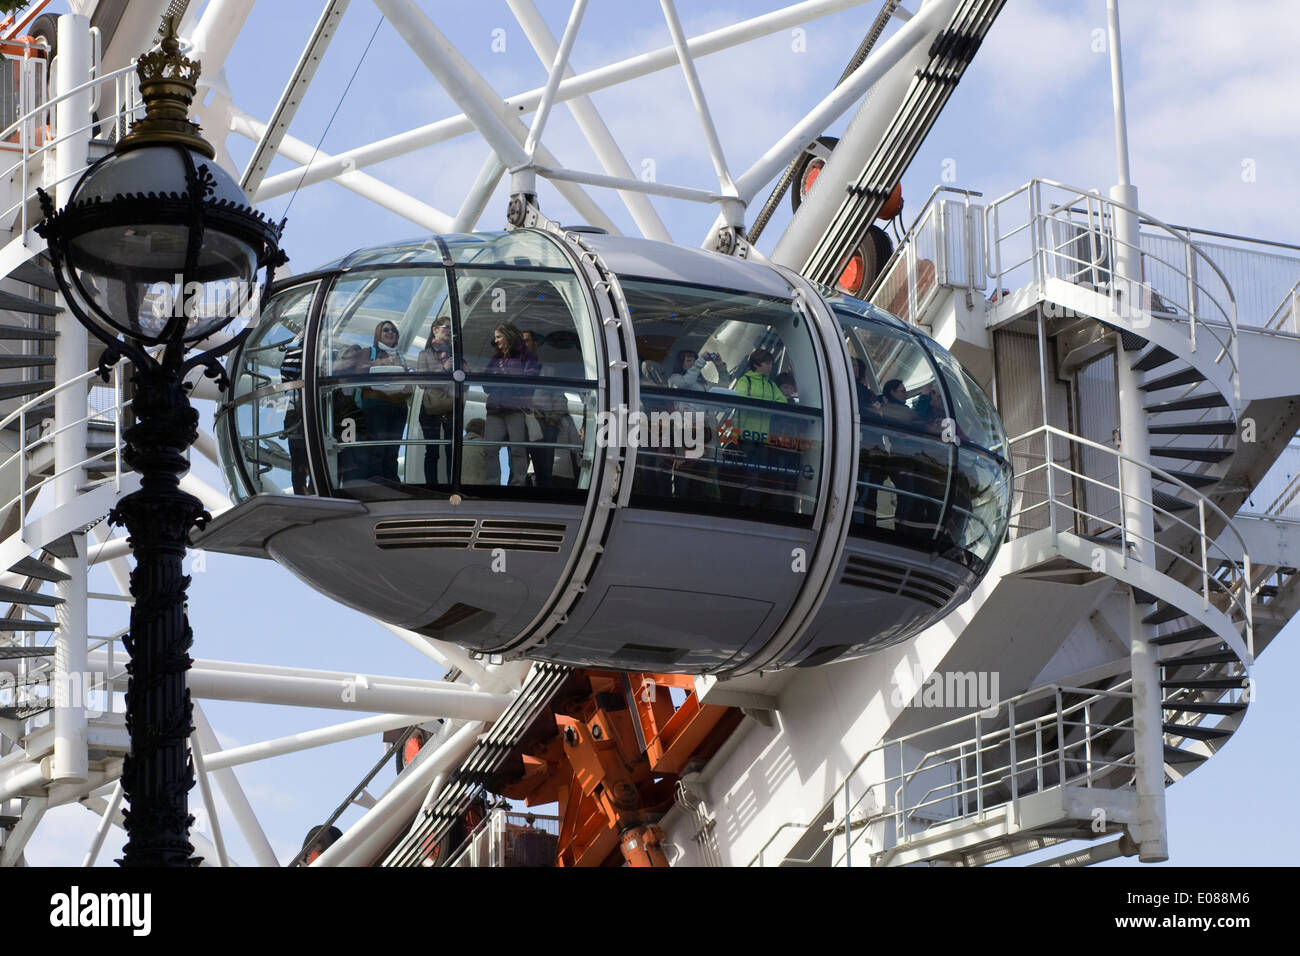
168, 81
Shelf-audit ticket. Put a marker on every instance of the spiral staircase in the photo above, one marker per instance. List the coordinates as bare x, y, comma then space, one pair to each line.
1058, 762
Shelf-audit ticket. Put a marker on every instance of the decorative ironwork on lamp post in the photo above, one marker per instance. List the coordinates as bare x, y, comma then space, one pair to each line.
156, 250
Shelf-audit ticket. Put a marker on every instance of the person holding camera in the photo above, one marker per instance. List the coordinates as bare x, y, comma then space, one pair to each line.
689, 365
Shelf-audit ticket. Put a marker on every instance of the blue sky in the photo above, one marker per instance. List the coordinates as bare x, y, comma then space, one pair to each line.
1210, 87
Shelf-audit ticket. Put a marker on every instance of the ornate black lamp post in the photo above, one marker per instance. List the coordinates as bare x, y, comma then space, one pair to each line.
156, 250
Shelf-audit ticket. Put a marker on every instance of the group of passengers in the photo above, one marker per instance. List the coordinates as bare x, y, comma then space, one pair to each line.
531, 423
757, 452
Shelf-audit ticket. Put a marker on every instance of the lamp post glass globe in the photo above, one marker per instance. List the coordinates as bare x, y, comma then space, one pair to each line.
177, 262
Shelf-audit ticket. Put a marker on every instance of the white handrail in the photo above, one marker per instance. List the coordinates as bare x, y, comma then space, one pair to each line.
1042, 253
1237, 590
25, 448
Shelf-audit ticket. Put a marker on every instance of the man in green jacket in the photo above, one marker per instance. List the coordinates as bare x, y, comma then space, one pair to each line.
752, 426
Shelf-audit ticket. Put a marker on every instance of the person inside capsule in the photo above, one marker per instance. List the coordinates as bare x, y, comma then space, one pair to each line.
384, 407
437, 402
755, 427
507, 405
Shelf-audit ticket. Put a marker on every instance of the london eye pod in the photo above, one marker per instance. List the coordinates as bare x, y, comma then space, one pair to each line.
610, 452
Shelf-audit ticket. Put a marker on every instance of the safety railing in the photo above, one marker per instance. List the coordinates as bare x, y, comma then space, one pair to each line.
36, 142
943, 248
1287, 314
99, 410
493, 842
1047, 230
1061, 488
965, 768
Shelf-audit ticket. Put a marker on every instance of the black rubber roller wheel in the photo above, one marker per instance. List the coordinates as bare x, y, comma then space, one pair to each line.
866, 261
810, 168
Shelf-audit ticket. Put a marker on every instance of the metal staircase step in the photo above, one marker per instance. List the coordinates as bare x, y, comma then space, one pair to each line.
1193, 454
1155, 358
1175, 756
23, 711
1195, 428
1199, 657
20, 303
18, 624
1225, 710
1131, 341
1143, 597
62, 547
1196, 733
26, 361
1198, 632
23, 332
33, 568
9, 653
35, 415
1208, 683
33, 387
1170, 502
1188, 376
1163, 613
1188, 478
19, 596
33, 273
1210, 400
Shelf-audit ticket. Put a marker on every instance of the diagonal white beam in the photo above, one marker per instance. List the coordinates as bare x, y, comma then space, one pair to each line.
559, 65
105, 821
22, 831
215, 34
448, 655
205, 789
327, 167
293, 94
346, 692
394, 200
442, 59
471, 210
245, 819
308, 739
855, 85
382, 823
113, 815
490, 114
697, 97
592, 126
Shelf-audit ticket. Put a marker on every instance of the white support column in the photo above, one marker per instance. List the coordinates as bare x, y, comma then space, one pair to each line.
245, 819
1151, 833
71, 352
592, 126
367, 838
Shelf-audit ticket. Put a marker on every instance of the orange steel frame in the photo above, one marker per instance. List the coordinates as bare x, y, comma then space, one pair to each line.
613, 763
